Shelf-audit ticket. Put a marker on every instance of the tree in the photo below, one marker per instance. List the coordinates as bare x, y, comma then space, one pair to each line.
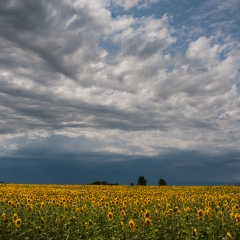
162, 182
142, 181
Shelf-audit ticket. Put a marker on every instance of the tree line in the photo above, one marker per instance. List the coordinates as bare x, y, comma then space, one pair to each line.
140, 182
143, 182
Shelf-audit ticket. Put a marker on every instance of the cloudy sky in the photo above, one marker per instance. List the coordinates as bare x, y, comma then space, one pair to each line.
115, 89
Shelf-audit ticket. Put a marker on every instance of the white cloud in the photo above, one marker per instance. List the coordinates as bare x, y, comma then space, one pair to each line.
126, 4
143, 98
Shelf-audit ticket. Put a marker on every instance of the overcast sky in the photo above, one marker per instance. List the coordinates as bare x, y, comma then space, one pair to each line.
115, 89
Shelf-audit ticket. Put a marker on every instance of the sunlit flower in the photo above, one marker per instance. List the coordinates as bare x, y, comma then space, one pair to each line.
195, 232
110, 216
148, 222
4, 217
237, 218
123, 213
122, 225
86, 226
200, 213
18, 222
229, 236
132, 226
147, 214
15, 217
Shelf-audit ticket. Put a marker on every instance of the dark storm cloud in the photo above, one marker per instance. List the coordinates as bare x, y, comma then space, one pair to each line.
48, 165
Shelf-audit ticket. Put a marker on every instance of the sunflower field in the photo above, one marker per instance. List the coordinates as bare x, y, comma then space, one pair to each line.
57, 212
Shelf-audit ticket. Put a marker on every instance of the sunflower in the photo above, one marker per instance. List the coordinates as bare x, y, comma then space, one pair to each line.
4, 217
15, 217
200, 213
208, 212
132, 226
42, 205
86, 226
147, 214
122, 225
179, 212
123, 213
237, 218
229, 236
18, 222
195, 232
110, 216
73, 219
10, 203
148, 222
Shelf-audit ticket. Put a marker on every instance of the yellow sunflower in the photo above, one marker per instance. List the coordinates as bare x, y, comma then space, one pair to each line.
18, 222
147, 214
148, 222
110, 216
195, 232
132, 225
4, 217
200, 213
122, 225
15, 217
229, 236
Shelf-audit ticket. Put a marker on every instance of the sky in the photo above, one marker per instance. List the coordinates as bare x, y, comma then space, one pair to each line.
110, 90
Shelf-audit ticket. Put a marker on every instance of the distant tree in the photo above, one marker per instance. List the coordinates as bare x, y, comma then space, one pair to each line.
142, 181
102, 183
162, 182
131, 184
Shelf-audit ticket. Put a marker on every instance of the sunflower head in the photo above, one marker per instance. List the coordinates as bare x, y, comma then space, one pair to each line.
179, 212
148, 222
195, 232
200, 213
237, 218
18, 222
122, 225
147, 214
86, 226
15, 217
123, 213
4, 217
110, 216
132, 226
229, 236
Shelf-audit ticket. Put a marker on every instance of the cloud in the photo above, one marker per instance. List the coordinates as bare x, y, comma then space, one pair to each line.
131, 85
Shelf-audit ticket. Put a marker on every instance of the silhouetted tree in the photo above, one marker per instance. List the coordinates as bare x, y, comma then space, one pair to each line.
131, 184
142, 181
162, 182
102, 183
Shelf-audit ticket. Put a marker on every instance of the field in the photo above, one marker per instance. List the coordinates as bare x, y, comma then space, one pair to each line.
118, 212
